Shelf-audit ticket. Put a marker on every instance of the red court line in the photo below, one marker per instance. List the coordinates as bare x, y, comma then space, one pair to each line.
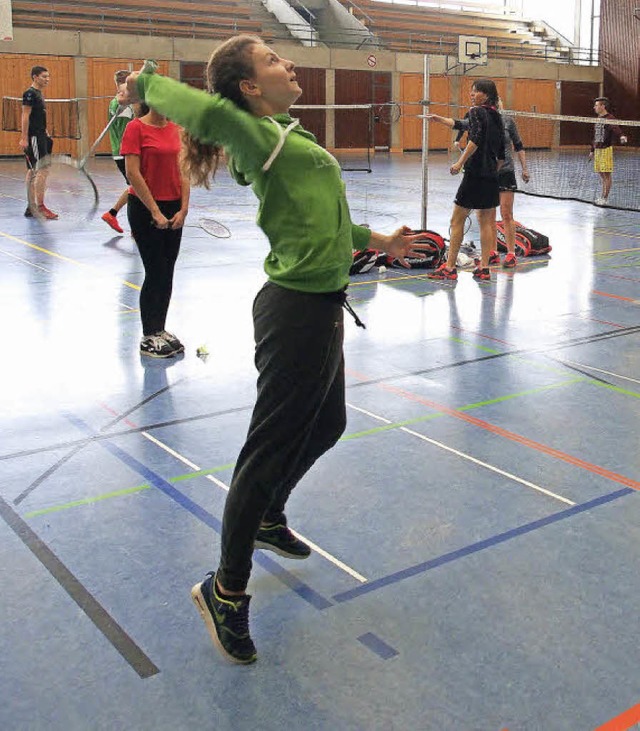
622, 722
480, 335
604, 322
615, 296
576, 461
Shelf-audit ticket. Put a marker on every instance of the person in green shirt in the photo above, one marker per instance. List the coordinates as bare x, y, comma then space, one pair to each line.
300, 409
124, 114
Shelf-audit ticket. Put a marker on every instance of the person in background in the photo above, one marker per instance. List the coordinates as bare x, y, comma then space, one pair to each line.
123, 114
507, 185
604, 136
35, 141
157, 207
481, 159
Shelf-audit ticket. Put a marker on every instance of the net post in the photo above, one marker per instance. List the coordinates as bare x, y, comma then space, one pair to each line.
425, 141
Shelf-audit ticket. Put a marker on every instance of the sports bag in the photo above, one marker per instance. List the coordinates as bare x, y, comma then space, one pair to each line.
434, 256
366, 259
528, 242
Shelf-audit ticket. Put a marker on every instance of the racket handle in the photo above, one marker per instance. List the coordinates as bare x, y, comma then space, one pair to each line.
149, 67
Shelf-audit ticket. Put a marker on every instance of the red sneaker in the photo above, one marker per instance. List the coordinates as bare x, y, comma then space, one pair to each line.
482, 274
443, 273
112, 221
46, 213
510, 261
494, 258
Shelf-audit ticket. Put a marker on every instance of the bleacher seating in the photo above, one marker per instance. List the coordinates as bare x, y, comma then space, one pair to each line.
178, 18
424, 29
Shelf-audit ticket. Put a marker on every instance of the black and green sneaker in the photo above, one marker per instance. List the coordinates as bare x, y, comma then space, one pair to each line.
279, 539
227, 621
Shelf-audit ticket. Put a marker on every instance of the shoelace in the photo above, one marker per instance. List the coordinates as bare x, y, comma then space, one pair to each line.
239, 620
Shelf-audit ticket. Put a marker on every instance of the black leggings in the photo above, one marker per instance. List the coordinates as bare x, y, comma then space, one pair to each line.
159, 248
299, 414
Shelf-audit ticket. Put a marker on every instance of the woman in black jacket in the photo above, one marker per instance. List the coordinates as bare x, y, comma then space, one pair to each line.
481, 159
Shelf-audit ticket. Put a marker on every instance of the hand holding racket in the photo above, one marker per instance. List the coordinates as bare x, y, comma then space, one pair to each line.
177, 221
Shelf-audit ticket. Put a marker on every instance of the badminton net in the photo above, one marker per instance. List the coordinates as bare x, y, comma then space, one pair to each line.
63, 116
557, 151
350, 125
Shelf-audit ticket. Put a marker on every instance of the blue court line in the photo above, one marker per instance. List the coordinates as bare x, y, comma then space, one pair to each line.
433, 563
300, 588
375, 644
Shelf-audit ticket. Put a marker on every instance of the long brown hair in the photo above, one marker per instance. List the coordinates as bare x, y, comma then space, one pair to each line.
229, 64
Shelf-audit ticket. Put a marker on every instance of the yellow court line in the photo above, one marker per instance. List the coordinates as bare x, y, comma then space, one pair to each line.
60, 256
616, 233
617, 251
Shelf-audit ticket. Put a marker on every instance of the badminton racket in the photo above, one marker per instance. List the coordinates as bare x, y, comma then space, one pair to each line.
70, 190
388, 113
467, 226
212, 227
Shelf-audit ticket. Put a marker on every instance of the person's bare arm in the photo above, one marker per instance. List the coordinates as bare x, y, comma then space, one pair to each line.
24, 127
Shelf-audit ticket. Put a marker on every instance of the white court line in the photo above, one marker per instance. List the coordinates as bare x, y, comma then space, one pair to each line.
19, 258
468, 457
599, 370
329, 557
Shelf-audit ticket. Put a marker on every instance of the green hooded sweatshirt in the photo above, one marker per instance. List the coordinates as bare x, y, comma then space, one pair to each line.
303, 208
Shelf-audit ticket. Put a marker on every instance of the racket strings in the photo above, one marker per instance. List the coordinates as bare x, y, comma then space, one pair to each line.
68, 190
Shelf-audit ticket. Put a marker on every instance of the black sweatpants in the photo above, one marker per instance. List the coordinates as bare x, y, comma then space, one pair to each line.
299, 414
159, 248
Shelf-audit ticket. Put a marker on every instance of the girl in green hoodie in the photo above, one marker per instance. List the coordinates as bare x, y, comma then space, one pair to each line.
298, 314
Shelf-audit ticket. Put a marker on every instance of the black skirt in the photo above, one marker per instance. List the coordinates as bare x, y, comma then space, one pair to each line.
478, 193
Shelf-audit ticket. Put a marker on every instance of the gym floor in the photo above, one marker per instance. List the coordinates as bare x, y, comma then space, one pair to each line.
475, 532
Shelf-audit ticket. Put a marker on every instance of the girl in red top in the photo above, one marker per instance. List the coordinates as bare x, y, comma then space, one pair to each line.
157, 207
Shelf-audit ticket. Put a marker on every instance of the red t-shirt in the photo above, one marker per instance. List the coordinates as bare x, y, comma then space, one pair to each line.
158, 149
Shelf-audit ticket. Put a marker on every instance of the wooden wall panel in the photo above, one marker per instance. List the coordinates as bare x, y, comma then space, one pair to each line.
577, 100
620, 53
313, 83
530, 95
467, 83
193, 73
360, 87
411, 92
15, 78
100, 85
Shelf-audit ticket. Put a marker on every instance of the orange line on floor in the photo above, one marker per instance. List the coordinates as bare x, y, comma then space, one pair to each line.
614, 296
622, 722
576, 461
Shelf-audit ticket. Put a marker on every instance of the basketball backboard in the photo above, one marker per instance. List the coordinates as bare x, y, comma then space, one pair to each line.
6, 26
472, 50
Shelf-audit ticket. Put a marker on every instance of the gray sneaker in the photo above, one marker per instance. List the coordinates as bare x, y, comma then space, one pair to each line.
227, 621
172, 340
156, 347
